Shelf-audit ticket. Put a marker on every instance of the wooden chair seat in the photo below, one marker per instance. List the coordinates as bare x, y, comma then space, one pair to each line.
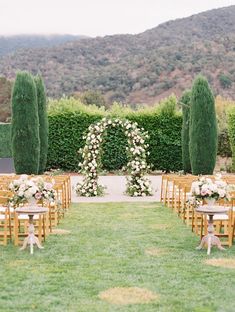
2, 209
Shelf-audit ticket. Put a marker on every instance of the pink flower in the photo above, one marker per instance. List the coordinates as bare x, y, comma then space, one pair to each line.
38, 195
48, 186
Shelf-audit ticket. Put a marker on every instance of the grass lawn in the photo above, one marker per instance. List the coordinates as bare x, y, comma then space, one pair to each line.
109, 247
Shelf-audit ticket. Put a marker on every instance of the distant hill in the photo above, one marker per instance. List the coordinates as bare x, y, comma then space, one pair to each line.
139, 68
9, 44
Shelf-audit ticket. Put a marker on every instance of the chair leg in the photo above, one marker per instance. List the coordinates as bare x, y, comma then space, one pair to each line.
5, 230
16, 230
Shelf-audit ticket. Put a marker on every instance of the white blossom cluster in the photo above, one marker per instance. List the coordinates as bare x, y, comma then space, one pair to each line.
26, 188
137, 184
206, 188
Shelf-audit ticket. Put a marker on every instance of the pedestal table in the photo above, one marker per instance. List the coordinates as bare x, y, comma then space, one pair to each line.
31, 239
210, 239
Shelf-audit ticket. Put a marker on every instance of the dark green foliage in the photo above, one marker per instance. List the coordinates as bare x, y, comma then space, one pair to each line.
224, 148
5, 140
25, 125
164, 142
231, 132
168, 107
93, 97
43, 123
114, 156
185, 103
66, 132
225, 81
203, 128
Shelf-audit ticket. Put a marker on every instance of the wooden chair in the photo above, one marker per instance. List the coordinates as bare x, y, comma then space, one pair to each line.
185, 211
163, 187
6, 212
168, 190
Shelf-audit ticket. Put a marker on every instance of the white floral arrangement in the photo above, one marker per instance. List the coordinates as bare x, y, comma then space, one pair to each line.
205, 188
26, 188
137, 184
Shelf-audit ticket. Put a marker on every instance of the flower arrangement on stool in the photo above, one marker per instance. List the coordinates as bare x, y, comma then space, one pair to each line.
210, 191
27, 189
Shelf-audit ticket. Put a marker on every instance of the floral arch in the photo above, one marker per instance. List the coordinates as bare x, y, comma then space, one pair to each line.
137, 183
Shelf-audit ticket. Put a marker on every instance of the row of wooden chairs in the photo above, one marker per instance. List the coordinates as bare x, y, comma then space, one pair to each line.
14, 227
175, 194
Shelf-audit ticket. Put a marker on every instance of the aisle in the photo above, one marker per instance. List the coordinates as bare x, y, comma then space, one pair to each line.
115, 190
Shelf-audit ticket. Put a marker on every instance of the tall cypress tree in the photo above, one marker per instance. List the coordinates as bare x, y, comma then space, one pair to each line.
25, 125
203, 128
185, 101
43, 122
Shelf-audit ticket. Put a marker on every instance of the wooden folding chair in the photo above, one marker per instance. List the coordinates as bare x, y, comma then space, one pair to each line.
6, 212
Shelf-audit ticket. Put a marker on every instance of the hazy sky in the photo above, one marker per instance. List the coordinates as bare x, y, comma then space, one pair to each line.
95, 17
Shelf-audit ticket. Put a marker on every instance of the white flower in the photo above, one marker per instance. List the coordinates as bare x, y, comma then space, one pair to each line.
221, 193
21, 193
24, 177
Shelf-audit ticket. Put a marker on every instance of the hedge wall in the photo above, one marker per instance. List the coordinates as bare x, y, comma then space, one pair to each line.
165, 139
69, 120
66, 130
67, 127
5, 140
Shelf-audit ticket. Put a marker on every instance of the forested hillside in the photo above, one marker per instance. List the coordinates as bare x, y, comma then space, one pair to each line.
139, 68
9, 44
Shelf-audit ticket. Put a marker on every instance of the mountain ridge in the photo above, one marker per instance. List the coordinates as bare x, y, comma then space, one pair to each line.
12, 43
140, 68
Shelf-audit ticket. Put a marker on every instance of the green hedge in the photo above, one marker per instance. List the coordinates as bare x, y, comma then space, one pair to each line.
69, 121
5, 140
224, 147
66, 131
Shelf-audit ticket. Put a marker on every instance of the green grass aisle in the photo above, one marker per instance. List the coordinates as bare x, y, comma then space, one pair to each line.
116, 245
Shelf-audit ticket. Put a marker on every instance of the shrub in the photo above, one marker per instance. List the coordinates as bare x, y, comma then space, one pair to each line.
25, 125
92, 97
5, 140
43, 123
203, 128
168, 107
225, 81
